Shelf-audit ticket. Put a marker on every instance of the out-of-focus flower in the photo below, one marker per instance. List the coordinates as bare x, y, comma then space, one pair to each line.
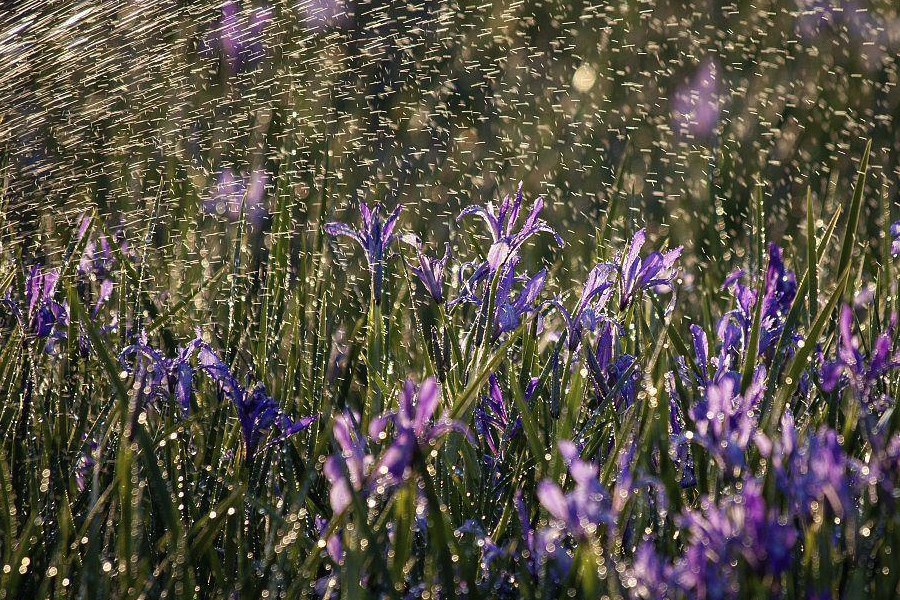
587, 507
321, 15
637, 274
374, 237
413, 429
725, 421
850, 362
895, 239
348, 470
257, 411
505, 240
651, 573
882, 470
738, 527
232, 189
240, 36
695, 105
809, 471
430, 271
333, 544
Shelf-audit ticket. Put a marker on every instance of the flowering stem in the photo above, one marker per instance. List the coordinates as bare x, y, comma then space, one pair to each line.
373, 362
454, 343
488, 318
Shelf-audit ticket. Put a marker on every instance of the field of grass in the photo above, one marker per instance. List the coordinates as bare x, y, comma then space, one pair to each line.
278, 321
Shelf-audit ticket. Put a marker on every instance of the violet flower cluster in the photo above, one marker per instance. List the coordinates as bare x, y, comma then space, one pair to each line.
511, 439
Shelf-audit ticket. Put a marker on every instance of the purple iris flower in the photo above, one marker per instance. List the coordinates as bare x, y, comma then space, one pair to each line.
851, 363
84, 465
257, 411
103, 296
652, 574
713, 369
510, 311
813, 471
607, 369
587, 506
97, 263
636, 273
778, 295
352, 462
493, 420
413, 429
501, 225
895, 237
595, 294
240, 37
160, 377
98, 258
43, 316
725, 420
430, 271
374, 237
738, 527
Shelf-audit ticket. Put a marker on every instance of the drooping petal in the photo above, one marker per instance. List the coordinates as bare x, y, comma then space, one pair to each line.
552, 499
183, 385
340, 494
488, 216
428, 399
530, 291
831, 375
338, 229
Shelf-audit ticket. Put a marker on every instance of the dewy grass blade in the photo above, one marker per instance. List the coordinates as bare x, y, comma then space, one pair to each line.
99, 344
276, 273
463, 402
812, 258
854, 211
753, 340
165, 318
801, 358
233, 281
793, 317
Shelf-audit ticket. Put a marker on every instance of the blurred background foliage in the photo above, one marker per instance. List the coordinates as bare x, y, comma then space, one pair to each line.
437, 104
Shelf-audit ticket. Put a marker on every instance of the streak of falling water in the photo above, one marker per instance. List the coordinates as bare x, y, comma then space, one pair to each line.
109, 104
